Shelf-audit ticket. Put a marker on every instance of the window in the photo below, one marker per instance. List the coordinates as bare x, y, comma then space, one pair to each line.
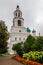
19, 30
18, 14
15, 38
19, 23
20, 39
23, 38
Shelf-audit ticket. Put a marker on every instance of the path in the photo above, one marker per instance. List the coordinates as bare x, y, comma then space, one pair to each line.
8, 61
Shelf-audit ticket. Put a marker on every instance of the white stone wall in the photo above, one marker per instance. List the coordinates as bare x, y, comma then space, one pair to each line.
15, 33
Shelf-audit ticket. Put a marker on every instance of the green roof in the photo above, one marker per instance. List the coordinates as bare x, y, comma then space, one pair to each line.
33, 31
28, 30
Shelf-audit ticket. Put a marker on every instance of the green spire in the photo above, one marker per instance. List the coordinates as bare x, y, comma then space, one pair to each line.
33, 31
28, 30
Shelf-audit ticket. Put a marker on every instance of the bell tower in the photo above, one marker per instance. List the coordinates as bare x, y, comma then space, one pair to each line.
18, 20
18, 32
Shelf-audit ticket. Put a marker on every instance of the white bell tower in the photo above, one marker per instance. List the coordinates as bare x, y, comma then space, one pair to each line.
18, 32
18, 20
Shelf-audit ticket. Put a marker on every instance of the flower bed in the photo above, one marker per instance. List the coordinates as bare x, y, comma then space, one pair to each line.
18, 58
26, 61
33, 62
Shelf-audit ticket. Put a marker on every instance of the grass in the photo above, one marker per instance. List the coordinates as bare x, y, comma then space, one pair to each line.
4, 54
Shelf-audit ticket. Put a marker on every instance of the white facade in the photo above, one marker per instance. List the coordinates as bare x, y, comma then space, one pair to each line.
18, 32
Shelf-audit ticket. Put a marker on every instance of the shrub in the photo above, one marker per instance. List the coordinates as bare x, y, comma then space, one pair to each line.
18, 48
36, 56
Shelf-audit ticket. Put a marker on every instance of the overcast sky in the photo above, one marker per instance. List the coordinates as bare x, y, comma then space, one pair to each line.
32, 13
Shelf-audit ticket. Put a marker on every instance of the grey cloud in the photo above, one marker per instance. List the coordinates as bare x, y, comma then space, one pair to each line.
32, 13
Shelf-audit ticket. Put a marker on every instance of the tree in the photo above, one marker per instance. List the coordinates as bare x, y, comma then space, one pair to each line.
39, 44
18, 48
4, 36
28, 43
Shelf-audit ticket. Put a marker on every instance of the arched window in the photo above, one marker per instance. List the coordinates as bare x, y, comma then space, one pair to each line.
18, 14
19, 22
15, 38
23, 38
20, 39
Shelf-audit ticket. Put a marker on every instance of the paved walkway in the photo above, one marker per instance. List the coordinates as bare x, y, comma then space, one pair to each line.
8, 61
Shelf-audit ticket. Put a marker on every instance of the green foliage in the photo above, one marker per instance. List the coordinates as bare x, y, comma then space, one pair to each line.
34, 55
32, 44
18, 48
39, 44
33, 49
29, 43
4, 36
5, 54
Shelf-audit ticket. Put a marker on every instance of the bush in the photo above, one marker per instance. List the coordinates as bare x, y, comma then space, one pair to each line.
35, 56
18, 48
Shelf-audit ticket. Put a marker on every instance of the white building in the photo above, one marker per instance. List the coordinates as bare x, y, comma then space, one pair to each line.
18, 32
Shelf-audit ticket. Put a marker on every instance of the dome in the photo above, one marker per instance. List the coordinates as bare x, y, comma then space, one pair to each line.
33, 31
28, 30
17, 6
17, 10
